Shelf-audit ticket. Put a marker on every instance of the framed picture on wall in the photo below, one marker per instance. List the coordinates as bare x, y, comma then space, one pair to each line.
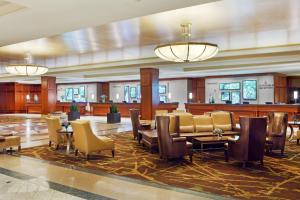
82, 91
236, 97
76, 91
163, 98
69, 94
225, 96
162, 89
126, 93
250, 89
133, 92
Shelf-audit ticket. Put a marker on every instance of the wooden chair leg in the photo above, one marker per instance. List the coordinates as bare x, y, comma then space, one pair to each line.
282, 152
19, 148
191, 158
87, 156
50, 143
10, 150
244, 164
262, 162
76, 152
226, 155
57, 147
113, 153
298, 141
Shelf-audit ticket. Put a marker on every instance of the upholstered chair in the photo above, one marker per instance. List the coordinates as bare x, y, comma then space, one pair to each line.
203, 123
250, 145
169, 146
87, 142
298, 136
54, 125
276, 136
186, 123
135, 121
224, 120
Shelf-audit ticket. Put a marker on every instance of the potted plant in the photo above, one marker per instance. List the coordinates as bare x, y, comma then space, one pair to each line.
74, 112
113, 116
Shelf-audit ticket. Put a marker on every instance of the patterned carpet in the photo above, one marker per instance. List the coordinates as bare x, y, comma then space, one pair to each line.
278, 179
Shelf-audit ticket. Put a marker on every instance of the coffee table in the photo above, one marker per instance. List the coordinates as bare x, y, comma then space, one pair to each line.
210, 140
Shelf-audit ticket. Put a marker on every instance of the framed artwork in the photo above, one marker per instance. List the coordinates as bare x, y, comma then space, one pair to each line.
76, 91
163, 98
230, 86
250, 89
236, 97
126, 93
133, 92
82, 91
162, 89
69, 94
225, 96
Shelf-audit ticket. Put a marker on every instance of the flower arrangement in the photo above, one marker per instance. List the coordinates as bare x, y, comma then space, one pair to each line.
218, 132
103, 98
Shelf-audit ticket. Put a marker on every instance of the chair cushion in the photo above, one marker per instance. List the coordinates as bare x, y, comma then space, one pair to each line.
222, 120
203, 123
186, 123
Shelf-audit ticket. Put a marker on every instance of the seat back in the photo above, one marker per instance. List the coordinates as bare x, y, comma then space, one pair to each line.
278, 122
53, 124
203, 123
222, 120
186, 123
253, 137
164, 138
83, 135
135, 121
178, 111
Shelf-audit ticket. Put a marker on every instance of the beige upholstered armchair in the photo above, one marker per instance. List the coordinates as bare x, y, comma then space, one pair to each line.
86, 142
53, 124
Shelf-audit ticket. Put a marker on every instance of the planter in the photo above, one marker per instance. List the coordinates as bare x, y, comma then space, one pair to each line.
113, 118
72, 116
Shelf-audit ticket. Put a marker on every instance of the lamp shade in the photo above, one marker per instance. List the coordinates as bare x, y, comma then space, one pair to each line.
26, 69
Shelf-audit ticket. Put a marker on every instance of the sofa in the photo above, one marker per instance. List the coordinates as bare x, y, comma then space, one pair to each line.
203, 125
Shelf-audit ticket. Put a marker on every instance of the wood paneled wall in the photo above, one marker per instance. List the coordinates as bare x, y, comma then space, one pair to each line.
280, 88
13, 96
48, 93
196, 86
105, 90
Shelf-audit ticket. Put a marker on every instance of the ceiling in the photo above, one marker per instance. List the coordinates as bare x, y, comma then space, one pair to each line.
120, 39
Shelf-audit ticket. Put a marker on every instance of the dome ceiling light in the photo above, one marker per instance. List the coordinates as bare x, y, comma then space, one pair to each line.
28, 69
186, 51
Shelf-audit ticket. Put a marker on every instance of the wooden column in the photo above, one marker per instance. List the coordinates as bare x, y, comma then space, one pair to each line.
48, 94
197, 87
149, 92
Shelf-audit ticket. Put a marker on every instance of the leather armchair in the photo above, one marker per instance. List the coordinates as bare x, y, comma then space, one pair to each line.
251, 143
54, 125
135, 121
169, 146
86, 142
276, 136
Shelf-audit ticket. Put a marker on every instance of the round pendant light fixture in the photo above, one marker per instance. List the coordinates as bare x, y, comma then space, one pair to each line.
28, 69
186, 51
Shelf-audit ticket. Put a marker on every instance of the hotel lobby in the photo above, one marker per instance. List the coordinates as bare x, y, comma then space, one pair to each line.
138, 99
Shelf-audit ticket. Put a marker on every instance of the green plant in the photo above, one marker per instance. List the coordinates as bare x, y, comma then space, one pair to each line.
113, 108
73, 108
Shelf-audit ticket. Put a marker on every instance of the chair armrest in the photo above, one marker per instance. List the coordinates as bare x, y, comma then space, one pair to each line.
236, 129
179, 139
276, 134
232, 140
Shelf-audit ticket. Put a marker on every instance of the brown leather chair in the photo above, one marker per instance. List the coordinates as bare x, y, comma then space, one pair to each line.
276, 135
170, 146
135, 121
251, 143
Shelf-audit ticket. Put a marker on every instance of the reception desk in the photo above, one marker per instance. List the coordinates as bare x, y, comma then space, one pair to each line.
249, 110
33, 108
101, 109
65, 107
